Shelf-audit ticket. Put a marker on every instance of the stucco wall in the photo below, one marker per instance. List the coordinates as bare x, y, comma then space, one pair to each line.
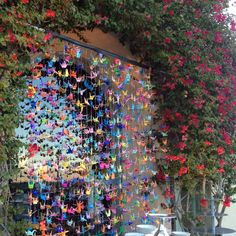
229, 221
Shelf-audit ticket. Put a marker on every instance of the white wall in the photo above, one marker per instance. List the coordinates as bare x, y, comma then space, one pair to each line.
229, 221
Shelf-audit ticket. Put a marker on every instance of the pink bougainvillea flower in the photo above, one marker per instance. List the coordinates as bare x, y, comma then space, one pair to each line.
231, 151
160, 176
11, 37
208, 130
220, 151
226, 138
183, 170
186, 81
226, 202
200, 167
147, 34
218, 37
182, 159
203, 203
47, 37
105, 18
14, 57
222, 162
171, 13
221, 170
194, 120
217, 8
179, 116
33, 149
167, 40
220, 17
117, 61
183, 129
233, 25
168, 194
50, 13
217, 70
221, 98
198, 102
207, 143
181, 145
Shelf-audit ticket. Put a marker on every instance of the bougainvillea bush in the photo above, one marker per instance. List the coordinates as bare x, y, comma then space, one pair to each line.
190, 46
21, 36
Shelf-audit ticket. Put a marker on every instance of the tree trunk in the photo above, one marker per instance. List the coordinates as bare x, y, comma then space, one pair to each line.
220, 217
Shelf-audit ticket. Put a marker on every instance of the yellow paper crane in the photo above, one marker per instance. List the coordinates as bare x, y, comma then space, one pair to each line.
81, 105
91, 97
62, 233
96, 120
66, 73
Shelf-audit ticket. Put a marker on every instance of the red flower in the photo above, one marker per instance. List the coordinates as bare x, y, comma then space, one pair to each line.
222, 162
171, 12
220, 151
218, 37
208, 130
105, 18
50, 13
179, 116
167, 40
189, 34
226, 138
183, 129
183, 170
97, 21
193, 120
221, 170
168, 194
233, 25
221, 98
160, 176
226, 201
217, 70
207, 143
200, 167
14, 57
198, 102
11, 37
47, 37
33, 149
186, 81
203, 203
220, 17
217, 8
182, 159
181, 145
147, 33
24, 1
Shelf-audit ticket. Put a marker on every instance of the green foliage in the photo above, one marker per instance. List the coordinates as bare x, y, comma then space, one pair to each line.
191, 51
20, 38
190, 46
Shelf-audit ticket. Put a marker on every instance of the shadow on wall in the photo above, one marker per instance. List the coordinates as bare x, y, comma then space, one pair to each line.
106, 41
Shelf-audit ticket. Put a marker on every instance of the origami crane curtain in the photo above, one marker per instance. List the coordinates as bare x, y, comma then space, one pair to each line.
86, 119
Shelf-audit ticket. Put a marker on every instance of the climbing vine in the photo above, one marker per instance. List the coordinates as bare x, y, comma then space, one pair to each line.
190, 46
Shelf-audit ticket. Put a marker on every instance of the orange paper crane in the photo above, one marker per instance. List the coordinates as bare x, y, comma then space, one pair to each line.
62, 233
79, 207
